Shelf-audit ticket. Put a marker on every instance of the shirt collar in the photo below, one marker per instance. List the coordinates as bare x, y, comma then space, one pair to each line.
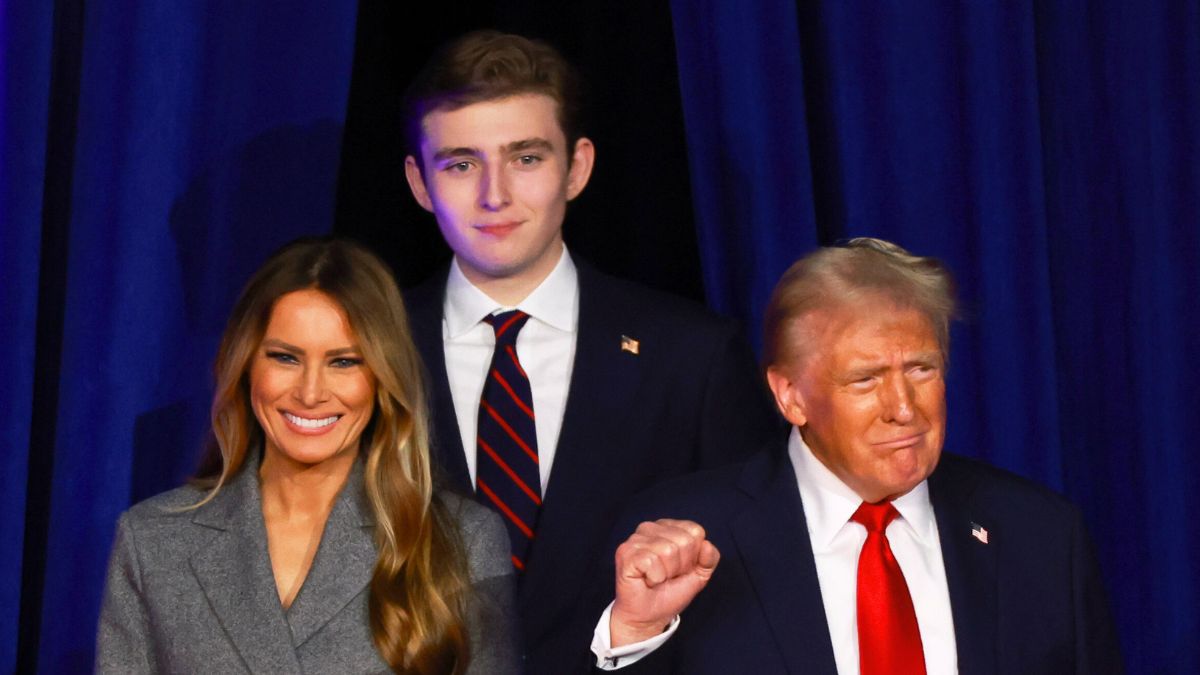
829, 503
554, 302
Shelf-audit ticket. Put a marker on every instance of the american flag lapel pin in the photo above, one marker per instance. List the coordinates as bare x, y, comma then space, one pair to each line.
979, 532
630, 345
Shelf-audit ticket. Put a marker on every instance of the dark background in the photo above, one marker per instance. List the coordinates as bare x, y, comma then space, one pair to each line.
154, 155
635, 217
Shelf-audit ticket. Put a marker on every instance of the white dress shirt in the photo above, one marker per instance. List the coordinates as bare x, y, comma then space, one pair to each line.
545, 347
836, 543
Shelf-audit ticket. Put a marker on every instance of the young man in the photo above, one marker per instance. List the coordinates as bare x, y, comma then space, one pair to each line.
594, 388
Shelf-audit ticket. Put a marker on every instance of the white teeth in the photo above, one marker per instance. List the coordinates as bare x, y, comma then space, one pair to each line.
311, 424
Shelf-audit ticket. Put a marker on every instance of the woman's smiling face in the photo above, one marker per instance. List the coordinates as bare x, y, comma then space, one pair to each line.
311, 391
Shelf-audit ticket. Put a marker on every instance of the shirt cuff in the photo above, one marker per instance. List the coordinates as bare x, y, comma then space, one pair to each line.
608, 658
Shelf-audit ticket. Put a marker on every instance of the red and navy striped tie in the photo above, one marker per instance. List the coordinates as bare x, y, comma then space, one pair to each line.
507, 477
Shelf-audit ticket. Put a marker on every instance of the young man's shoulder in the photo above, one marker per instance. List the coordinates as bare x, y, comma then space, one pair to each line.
600, 291
634, 300
427, 295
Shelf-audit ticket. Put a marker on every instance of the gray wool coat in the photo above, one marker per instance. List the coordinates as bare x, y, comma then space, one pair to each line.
192, 591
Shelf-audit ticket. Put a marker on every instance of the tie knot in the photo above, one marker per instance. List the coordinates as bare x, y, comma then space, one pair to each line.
875, 517
507, 325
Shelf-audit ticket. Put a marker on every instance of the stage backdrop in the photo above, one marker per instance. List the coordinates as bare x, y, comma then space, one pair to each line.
152, 156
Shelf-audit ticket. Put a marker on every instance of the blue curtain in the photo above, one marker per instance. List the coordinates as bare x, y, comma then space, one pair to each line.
206, 135
25, 30
1049, 152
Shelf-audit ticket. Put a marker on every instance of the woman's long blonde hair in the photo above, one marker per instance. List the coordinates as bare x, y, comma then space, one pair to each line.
417, 598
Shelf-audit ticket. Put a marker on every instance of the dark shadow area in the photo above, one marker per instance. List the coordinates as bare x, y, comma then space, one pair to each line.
277, 187
167, 444
52, 292
635, 218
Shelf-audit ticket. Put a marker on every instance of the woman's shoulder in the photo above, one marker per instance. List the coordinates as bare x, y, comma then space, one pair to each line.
167, 515
170, 505
484, 537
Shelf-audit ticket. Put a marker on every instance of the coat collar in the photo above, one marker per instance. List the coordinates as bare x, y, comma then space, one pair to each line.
234, 570
970, 561
599, 398
772, 540
424, 304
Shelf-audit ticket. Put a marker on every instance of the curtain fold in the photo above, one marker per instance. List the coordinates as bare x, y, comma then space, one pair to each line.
25, 30
741, 78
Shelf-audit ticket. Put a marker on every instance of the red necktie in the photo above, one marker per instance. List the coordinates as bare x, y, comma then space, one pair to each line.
506, 472
889, 641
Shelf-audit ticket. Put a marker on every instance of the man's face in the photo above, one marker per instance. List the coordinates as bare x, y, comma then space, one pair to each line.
496, 176
868, 395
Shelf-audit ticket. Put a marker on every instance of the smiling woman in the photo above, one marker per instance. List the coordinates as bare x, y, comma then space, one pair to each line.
312, 539
309, 388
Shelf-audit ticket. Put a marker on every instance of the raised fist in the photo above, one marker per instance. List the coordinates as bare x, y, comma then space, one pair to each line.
660, 568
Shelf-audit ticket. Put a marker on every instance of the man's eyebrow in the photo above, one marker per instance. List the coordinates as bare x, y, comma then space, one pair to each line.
864, 370
868, 368
529, 144
447, 153
924, 359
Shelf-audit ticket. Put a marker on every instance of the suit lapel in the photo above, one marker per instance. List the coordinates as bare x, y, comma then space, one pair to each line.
970, 565
603, 381
342, 566
425, 304
772, 540
235, 572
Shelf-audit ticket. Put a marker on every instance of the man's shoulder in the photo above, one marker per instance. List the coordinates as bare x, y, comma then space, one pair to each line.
429, 294
1000, 491
638, 302
630, 299
714, 495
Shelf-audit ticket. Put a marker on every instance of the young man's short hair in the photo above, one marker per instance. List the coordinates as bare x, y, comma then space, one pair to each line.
488, 65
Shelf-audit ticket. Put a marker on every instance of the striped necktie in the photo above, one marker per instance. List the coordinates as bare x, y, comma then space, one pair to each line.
507, 477
889, 640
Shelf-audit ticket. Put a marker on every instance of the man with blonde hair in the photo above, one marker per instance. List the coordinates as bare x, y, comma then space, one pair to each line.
855, 545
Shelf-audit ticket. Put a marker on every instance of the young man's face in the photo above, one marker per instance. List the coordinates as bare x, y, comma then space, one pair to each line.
496, 176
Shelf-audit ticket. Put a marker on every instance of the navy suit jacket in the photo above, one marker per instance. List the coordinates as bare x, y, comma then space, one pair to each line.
690, 399
1029, 601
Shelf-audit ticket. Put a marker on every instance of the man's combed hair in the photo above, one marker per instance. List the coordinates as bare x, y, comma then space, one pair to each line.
417, 602
862, 269
489, 65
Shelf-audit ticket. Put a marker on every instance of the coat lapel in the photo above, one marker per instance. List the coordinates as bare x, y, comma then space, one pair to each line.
425, 304
343, 565
772, 540
603, 381
235, 572
970, 565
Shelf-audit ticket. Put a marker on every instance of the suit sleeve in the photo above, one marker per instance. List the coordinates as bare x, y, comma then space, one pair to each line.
123, 643
1097, 649
492, 615
738, 415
